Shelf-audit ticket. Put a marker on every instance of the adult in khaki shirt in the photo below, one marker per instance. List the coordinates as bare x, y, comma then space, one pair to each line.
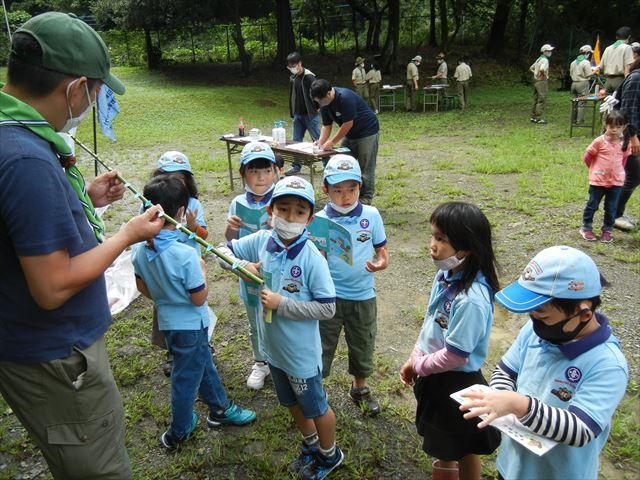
581, 72
540, 70
463, 76
358, 78
412, 82
616, 60
374, 78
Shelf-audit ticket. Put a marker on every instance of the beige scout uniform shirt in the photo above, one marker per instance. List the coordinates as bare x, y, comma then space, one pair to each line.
615, 59
412, 71
540, 69
462, 73
442, 71
580, 72
373, 76
358, 76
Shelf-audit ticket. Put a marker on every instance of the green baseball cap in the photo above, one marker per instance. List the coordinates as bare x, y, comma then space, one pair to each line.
71, 46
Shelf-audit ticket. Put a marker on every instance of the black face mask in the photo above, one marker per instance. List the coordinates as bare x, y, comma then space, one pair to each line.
555, 333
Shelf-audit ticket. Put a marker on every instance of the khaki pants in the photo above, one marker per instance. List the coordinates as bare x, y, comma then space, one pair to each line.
463, 93
411, 95
72, 409
365, 150
541, 88
361, 89
359, 318
612, 83
579, 89
374, 96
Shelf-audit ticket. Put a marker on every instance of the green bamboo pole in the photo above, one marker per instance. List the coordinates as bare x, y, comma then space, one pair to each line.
208, 247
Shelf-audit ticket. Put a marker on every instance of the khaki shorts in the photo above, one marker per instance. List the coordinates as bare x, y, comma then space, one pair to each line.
359, 319
72, 409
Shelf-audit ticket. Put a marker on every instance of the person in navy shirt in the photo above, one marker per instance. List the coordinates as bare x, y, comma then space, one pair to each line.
564, 375
356, 307
359, 129
54, 368
298, 294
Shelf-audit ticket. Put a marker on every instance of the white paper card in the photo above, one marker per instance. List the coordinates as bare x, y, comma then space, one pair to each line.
511, 426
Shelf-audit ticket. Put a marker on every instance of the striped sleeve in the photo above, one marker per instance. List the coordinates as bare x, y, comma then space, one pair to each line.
558, 424
503, 379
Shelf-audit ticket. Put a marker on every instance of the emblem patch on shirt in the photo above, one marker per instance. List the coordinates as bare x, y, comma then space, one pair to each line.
573, 374
291, 288
296, 271
563, 393
442, 320
363, 237
364, 223
447, 306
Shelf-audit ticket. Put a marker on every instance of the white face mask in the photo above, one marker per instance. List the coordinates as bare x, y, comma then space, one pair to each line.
293, 70
73, 122
448, 263
344, 210
247, 189
362, 65
287, 230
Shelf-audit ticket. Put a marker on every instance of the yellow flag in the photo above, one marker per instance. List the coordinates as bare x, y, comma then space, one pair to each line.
596, 51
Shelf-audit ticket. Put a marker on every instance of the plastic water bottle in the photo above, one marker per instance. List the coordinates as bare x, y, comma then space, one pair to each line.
282, 141
274, 133
241, 127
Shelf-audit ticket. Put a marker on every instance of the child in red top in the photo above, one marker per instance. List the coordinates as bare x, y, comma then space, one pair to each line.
606, 158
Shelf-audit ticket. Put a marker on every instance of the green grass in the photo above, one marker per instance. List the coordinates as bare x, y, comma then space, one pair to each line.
529, 179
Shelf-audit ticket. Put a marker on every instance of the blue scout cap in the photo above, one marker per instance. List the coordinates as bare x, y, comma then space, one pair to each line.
174, 162
555, 272
296, 186
341, 168
254, 150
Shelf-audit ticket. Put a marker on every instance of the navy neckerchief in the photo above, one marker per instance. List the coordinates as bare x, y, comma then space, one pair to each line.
251, 197
453, 285
332, 213
160, 243
275, 245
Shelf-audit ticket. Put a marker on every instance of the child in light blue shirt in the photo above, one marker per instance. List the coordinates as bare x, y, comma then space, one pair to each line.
356, 308
259, 173
298, 294
564, 375
173, 275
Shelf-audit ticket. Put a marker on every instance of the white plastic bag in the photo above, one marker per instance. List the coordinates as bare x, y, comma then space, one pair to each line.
121, 283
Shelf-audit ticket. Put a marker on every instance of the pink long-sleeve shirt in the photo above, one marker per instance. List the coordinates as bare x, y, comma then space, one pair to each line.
606, 162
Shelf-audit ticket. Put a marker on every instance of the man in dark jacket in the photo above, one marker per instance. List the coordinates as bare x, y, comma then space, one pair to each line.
303, 109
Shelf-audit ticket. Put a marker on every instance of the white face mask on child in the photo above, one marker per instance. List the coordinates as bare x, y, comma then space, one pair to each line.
448, 263
344, 210
287, 230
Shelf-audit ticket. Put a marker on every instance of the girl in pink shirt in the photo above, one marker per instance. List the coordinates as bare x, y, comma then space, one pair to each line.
606, 158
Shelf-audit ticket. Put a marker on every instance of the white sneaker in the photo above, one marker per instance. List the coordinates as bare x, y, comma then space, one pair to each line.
259, 372
623, 223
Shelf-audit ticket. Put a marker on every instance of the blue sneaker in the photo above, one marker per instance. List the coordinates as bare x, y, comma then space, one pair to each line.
233, 415
170, 442
304, 458
321, 466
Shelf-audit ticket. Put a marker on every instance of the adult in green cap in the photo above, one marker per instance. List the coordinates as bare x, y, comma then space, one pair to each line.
54, 370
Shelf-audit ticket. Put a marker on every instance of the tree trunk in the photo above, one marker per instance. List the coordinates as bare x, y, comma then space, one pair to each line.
522, 25
432, 23
390, 51
154, 55
496, 41
444, 24
286, 39
238, 38
354, 26
377, 15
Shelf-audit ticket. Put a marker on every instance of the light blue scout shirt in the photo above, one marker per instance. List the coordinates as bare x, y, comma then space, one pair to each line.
354, 282
458, 321
301, 273
588, 377
248, 200
183, 237
172, 273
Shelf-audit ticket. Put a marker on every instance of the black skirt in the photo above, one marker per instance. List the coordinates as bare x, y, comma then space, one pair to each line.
447, 435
